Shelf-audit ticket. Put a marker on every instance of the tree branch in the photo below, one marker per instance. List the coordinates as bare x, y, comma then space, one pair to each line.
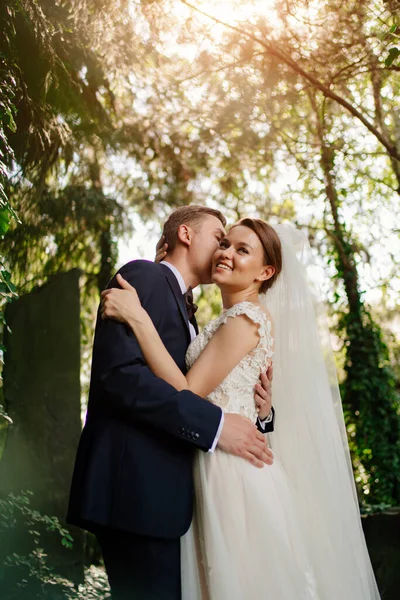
391, 148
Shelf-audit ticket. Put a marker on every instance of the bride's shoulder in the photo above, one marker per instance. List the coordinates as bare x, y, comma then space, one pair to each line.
254, 312
250, 309
241, 308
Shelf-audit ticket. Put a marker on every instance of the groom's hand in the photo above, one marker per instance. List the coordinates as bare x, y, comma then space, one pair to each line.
241, 437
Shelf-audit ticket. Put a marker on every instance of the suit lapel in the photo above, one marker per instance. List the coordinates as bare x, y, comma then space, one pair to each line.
176, 290
194, 323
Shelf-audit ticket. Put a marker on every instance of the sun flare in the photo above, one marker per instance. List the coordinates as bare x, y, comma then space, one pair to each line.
236, 11
230, 12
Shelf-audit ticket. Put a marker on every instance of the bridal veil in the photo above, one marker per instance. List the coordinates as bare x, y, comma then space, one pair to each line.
310, 436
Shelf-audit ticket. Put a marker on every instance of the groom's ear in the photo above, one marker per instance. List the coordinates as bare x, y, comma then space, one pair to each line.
185, 234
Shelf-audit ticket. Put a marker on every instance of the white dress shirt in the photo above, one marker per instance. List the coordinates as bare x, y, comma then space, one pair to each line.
192, 330
183, 287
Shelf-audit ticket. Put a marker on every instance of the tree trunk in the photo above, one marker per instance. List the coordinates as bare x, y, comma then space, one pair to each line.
368, 391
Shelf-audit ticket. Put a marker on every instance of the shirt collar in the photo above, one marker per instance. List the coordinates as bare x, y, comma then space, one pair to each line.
177, 274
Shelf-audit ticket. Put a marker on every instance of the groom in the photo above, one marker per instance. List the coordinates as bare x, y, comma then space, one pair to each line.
132, 484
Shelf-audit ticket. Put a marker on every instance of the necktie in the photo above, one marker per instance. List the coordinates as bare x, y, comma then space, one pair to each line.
191, 307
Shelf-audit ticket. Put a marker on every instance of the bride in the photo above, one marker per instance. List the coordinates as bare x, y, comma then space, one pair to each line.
291, 531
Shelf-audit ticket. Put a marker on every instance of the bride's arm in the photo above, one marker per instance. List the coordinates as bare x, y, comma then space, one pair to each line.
227, 347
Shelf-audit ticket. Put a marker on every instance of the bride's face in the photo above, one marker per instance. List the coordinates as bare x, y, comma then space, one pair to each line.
238, 264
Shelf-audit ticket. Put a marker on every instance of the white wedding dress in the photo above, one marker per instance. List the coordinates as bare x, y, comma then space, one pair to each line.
245, 542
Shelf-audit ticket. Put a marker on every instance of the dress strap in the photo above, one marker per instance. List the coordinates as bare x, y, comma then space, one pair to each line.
257, 315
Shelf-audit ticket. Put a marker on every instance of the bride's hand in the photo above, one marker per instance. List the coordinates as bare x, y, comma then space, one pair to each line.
161, 249
263, 394
121, 304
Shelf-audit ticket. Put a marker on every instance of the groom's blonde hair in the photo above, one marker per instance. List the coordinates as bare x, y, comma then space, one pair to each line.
187, 215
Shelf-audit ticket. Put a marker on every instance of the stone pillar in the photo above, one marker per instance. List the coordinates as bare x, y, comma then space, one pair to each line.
42, 395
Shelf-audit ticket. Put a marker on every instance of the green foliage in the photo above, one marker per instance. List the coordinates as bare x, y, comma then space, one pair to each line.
209, 303
7, 125
372, 408
370, 400
5, 422
95, 586
393, 34
47, 53
16, 509
30, 570
393, 55
56, 59
4, 415
61, 230
31, 573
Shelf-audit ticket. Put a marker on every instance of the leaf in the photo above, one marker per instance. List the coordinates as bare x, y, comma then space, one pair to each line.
7, 285
394, 53
6, 274
5, 416
4, 221
11, 287
47, 82
10, 121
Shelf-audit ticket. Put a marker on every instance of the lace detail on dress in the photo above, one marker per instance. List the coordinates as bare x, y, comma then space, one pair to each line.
236, 392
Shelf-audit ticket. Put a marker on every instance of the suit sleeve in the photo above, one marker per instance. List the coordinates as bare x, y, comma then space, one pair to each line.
130, 386
268, 427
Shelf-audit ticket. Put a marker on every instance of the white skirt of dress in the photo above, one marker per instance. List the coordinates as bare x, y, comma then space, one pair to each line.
244, 542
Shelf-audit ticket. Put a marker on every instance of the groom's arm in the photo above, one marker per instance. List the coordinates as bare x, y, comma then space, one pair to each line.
131, 388
267, 425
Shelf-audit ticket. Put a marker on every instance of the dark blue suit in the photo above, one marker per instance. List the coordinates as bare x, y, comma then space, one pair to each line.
132, 483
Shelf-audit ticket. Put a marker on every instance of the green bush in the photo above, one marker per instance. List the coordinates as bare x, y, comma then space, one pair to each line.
29, 574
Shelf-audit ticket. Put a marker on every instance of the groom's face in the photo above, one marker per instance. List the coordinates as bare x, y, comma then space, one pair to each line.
204, 243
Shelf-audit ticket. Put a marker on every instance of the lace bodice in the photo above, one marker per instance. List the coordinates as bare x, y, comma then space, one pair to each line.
236, 392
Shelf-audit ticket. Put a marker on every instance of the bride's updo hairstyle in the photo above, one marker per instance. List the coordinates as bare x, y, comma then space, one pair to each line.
271, 244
